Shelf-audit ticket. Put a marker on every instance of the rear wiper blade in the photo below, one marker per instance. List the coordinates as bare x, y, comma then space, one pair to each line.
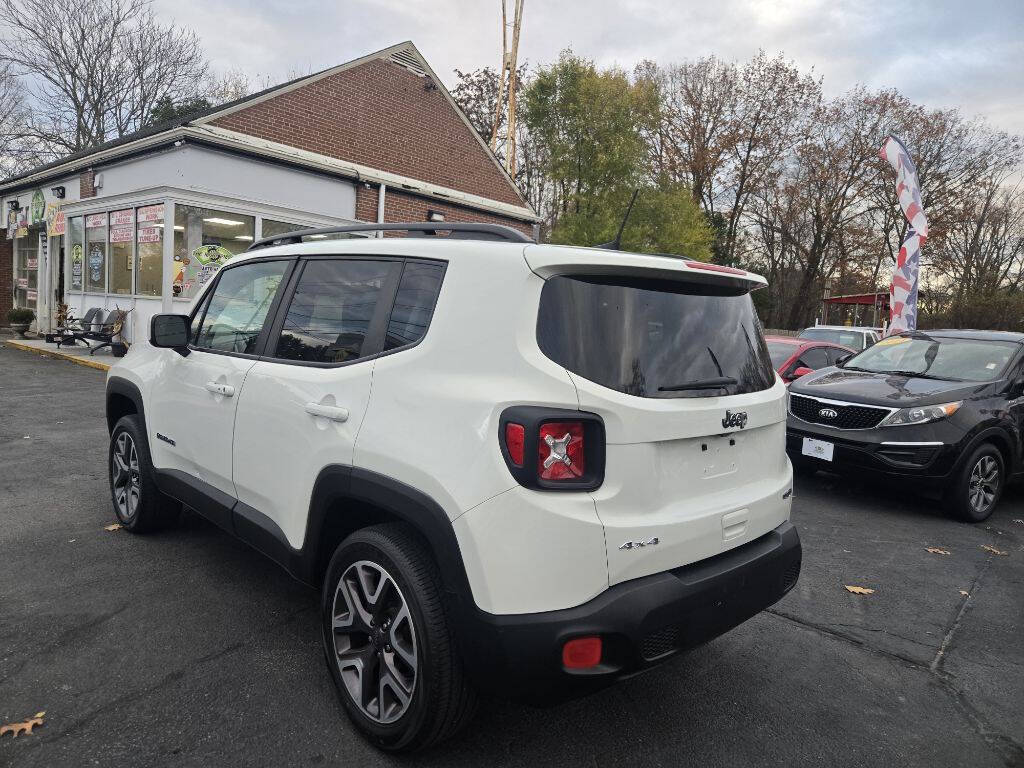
716, 383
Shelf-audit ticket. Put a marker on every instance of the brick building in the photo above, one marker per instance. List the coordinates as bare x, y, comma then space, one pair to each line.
377, 139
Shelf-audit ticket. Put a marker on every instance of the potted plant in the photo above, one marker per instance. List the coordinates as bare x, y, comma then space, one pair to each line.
20, 319
62, 316
119, 348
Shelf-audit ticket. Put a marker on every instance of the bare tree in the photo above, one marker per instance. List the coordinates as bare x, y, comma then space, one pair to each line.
97, 68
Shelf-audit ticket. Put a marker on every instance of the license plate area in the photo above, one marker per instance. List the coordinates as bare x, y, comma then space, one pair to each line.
818, 449
720, 455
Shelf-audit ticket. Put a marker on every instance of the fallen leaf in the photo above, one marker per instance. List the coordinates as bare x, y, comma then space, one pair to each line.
859, 590
1018, 521
23, 727
112, 527
965, 593
937, 551
993, 550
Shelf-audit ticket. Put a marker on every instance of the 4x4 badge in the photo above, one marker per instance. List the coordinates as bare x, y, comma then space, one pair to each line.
738, 419
654, 541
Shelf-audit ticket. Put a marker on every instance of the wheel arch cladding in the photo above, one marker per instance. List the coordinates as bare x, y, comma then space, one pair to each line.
123, 399
1002, 443
371, 498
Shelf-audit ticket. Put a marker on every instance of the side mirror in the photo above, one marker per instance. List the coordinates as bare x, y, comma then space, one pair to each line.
842, 360
170, 332
1016, 389
802, 371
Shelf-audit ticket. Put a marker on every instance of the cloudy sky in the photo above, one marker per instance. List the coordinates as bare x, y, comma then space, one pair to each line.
967, 54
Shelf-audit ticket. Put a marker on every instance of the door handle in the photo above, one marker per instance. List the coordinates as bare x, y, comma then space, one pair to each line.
220, 389
332, 412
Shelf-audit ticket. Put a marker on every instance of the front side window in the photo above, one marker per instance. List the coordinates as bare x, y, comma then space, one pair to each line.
780, 352
329, 316
936, 357
814, 358
651, 338
239, 305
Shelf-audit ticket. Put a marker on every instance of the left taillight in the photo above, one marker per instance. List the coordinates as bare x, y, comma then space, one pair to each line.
550, 449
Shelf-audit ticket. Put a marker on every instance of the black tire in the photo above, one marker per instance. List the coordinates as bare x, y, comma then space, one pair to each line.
981, 477
441, 701
151, 510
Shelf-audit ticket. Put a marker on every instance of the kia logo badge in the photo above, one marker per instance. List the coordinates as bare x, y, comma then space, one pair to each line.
828, 413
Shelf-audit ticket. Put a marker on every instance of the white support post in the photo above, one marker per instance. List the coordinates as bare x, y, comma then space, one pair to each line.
167, 281
380, 206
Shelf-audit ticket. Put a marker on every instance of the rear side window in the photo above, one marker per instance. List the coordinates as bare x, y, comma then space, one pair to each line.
815, 358
238, 306
414, 303
329, 316
654, 338
851, 339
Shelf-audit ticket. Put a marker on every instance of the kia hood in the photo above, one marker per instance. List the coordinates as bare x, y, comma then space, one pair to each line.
885, 389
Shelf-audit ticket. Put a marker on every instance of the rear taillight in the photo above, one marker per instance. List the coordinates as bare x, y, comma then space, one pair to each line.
552, 449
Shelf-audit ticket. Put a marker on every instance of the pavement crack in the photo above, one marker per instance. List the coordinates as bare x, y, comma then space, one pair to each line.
940, 654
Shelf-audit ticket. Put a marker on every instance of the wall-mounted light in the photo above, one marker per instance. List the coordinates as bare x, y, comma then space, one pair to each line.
435, 216
58, 192
14, 205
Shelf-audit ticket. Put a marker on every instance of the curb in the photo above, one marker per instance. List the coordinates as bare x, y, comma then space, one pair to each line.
52, 353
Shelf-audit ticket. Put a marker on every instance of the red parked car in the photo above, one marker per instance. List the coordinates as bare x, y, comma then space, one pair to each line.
794, 357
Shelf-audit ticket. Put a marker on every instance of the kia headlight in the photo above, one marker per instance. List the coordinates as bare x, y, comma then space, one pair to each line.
920, 414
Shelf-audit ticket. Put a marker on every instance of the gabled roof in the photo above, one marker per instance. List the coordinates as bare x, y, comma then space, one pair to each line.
404, 54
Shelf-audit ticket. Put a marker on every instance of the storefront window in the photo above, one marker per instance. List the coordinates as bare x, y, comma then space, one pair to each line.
95, 252
122, 233
272, 228
204, 240
26, 272
150, 250
76, 245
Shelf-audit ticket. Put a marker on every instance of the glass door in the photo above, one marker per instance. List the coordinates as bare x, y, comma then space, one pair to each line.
26, 271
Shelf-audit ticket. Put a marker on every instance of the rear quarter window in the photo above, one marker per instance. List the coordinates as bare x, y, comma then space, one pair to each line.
648, 338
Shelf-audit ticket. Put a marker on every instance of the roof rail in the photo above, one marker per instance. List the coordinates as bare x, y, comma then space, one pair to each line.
459, 230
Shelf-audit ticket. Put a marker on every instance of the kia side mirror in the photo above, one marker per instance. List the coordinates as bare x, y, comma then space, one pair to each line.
170, 332
802, 371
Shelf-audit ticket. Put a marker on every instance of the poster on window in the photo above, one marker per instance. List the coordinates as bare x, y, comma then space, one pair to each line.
76, 266
121, 217
22, 282
31, 296
12, 224
149, 234
96, 221
120, 234
31, 263
151, 213
96, 263
38, 207
55, 220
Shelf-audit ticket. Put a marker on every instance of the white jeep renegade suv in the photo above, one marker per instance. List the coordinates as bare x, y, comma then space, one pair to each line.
519, 469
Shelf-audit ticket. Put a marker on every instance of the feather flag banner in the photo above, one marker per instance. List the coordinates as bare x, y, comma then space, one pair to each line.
903, 289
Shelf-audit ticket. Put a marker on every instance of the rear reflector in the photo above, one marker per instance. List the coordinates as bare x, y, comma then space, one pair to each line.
561, 454
582, 652
714, 268
515, 436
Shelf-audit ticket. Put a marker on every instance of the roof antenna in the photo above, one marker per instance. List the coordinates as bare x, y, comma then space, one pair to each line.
616, 244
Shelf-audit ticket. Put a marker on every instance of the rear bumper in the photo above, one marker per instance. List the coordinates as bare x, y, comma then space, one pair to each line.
642, 622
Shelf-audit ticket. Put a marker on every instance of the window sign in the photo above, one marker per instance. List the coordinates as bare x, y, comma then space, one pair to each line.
95, 252
76, 252
22, 282
204, 240
32, 263
121, 233
95, 220
151, 213
38, 207
31, 296
120, 218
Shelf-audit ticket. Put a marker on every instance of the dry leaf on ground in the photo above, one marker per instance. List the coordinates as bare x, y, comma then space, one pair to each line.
24, 727
937, 551
993, 550
964, 592
859, 590
112, 527
1018, 521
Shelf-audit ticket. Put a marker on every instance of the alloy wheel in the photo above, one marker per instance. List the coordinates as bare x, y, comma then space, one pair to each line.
983, 484
374, 642
124, 472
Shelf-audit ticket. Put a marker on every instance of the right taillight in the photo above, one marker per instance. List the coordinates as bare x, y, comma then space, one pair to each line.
550, 449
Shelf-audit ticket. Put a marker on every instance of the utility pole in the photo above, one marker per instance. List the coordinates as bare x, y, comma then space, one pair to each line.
509, 59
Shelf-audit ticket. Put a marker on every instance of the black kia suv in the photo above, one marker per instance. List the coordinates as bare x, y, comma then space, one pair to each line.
943, 410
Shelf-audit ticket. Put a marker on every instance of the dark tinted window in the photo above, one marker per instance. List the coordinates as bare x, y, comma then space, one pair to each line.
835, 354
414, 303
239, 305
646, 337
330, 313
815, 358
780, 352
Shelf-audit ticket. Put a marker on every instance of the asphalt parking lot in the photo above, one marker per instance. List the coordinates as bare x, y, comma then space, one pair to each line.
187, 648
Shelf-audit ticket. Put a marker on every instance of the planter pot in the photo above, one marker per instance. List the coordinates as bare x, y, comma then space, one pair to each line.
117, 349
20, 328
51, 338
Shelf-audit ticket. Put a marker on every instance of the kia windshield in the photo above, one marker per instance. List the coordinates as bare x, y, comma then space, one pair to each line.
936, 357
653, 338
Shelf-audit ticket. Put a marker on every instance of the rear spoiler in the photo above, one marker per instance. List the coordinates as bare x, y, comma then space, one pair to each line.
548, 261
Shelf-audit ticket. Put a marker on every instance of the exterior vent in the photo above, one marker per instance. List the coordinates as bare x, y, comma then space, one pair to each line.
406, 58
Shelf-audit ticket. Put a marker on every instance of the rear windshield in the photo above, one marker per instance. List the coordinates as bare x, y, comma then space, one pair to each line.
654, 338
780, 352
851, 339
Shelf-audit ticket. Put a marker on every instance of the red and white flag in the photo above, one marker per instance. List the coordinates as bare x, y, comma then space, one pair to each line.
903, 289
